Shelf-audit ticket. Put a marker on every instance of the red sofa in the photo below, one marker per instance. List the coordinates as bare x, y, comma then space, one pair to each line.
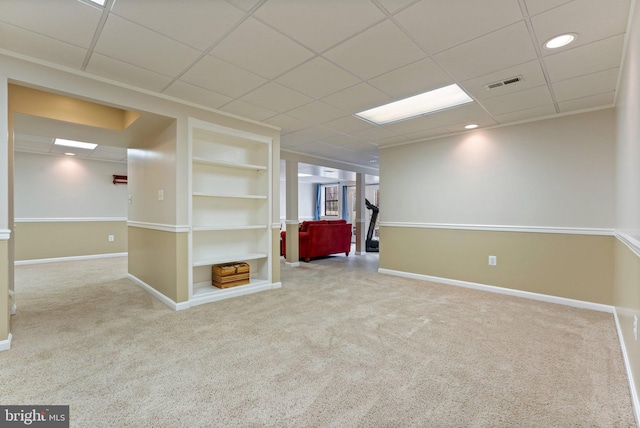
321, 238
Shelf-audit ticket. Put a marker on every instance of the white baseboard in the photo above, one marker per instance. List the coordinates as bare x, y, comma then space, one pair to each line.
5, 345
158, 295
632, 386
500, 290
69, 259
294, 264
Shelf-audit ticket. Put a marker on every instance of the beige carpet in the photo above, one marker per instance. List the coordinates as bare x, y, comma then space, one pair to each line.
338, 346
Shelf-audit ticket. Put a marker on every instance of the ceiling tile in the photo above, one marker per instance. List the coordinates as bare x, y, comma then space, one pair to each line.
501, 49
349, 124
319, 24
129, 42
287, 123
522, 100
460, 127
440, 25
197, 95
108, 153
583, 86
244, 4
261, 50
393, 5
29, 144
126, 73
34, 45
592, 101
398, 139
318, 78
537, 112
247, 110
357, 98
598, 56
316, 112
73, 22
374, 134
531, 73
429, 133
537, 6
276, 97
413, 79
375, 51
471, 112
219, 76
305, 136
592, 20
198, 26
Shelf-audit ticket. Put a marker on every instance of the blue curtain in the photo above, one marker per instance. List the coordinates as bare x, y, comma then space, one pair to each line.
318, 202
345, 210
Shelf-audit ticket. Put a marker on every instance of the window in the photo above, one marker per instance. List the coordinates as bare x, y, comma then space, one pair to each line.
331, 201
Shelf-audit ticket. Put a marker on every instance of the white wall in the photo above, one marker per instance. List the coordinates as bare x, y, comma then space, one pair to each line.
306, 201
555, 173
628, 138
152, 168
67, 187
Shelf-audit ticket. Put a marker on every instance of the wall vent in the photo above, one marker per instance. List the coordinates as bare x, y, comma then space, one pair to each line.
505, 82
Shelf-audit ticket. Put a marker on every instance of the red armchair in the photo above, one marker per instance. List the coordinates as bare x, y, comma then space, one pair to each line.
321, 238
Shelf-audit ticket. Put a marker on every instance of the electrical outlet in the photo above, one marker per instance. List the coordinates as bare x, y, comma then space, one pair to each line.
130, 199
111, 238
493, 261
635, 327
161, 195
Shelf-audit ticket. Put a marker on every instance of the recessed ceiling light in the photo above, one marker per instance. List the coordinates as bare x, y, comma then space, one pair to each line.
302, 174
471, 126
560, 41
417, 105
70, 154
77, 144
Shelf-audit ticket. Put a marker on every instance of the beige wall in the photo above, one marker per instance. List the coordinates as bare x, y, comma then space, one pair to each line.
4, 296
627, 267
571, 266
45, 240
158, 258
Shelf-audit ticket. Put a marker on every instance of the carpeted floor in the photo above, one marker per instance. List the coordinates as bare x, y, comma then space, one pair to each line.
338, 346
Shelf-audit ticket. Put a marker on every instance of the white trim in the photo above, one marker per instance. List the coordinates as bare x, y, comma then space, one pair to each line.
292, 264
68, 259
5, 345
360, 253
629, 241
505, 228
500, 290
625, 356
159, 226
69, 219
288, 222
5, 234
276, 226
228, 293
158, 295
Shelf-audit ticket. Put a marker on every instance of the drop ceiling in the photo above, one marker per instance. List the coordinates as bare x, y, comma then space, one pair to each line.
308, 65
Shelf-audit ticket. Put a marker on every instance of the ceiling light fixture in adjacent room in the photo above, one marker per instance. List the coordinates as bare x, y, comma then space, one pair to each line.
560, 41
70, 154
417, 105
471, 126
76, 144
302, 174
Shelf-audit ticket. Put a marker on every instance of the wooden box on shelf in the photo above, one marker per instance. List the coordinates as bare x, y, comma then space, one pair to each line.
230, 274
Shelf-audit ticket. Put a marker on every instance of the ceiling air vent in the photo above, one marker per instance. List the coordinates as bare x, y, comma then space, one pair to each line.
505, 82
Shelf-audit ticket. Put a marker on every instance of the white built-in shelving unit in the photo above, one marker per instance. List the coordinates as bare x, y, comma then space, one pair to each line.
230, 188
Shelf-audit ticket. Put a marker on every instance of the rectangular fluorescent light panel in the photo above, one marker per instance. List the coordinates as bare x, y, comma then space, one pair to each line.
76, 144
99, 2
418, 105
